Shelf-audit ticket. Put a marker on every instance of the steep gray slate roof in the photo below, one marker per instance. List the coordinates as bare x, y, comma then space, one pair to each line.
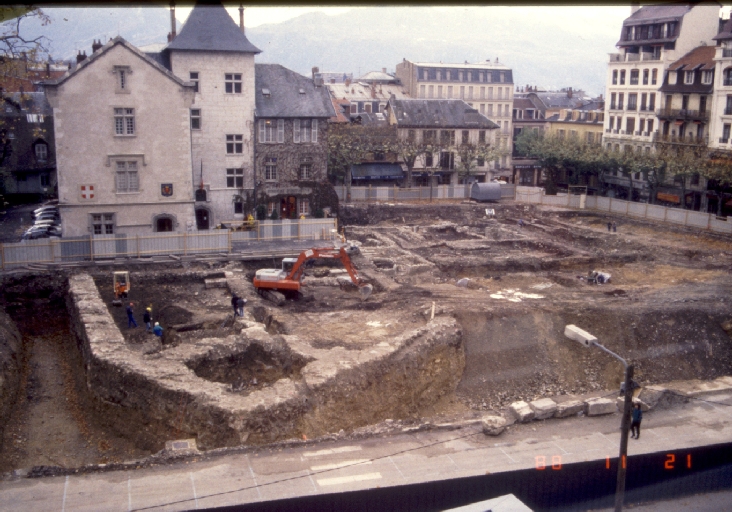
31, 102
210, 28
285, 98
439, 114
657, 14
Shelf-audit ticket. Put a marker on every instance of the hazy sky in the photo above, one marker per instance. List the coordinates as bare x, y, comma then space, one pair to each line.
255, 16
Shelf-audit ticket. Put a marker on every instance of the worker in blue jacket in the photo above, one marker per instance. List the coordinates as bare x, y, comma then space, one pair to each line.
636, 421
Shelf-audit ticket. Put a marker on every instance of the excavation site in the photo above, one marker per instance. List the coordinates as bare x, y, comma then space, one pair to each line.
465, 316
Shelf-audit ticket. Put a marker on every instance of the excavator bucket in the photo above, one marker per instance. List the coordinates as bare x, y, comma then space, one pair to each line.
365, 291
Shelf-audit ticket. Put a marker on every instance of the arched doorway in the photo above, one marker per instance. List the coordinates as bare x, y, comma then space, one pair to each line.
164, 224
288, 207
202, 219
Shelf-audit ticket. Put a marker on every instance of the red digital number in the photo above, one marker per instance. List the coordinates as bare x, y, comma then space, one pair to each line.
670, 459
607, 462
556, 462
540, 462
688, 461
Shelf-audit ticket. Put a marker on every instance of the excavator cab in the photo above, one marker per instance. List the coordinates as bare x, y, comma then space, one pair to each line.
121, 281
287, 264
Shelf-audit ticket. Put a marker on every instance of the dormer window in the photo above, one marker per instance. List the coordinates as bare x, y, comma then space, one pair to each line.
266, 93
122, 74
301, 91
707, 77
688, 77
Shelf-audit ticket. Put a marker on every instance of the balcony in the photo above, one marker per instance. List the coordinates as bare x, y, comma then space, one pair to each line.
671, 113
727, 82
674, 139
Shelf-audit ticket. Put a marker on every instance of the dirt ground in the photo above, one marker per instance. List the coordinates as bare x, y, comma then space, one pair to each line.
664, 309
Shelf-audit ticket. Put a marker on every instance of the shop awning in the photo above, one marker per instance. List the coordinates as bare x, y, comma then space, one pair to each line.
384, 171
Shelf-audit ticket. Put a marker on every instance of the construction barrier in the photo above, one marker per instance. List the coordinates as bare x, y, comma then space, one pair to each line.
384, 194
678, 216
120, 245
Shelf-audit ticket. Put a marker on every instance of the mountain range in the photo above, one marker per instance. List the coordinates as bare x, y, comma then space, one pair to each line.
551, 51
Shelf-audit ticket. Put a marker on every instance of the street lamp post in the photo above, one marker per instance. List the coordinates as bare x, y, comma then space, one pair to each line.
588, 340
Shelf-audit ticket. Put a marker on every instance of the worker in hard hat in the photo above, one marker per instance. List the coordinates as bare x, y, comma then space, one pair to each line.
157, 330
147, 319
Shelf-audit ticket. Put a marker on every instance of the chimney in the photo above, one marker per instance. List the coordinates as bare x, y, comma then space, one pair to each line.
241, 17
348, 82
172, 20
80, 57
373, 90
569, 92
315, 71
170, 37
96, 45
383, 70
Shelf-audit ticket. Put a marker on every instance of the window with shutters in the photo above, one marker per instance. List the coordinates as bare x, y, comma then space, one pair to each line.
305, 130
272, 130
127, 179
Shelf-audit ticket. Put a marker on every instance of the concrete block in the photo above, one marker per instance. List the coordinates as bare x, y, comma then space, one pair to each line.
543, 408
493, 425
215, 283
599, 406
522, 411
570, 408
621, 402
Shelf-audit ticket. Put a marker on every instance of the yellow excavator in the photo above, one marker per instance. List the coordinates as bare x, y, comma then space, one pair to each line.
121, 282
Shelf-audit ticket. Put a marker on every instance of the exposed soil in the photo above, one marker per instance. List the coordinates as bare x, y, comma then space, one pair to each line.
663, 309
50, 424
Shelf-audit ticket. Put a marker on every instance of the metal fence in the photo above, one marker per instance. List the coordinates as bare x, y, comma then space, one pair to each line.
386, 194
676, 216
101, 247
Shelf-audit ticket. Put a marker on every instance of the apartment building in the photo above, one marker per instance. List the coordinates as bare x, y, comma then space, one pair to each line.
485, 86
653, 37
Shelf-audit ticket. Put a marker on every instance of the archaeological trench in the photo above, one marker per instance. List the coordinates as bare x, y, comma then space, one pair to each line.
419, 350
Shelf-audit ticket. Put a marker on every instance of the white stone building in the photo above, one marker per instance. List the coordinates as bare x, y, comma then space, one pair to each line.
652, 38
485, 86
212, 52
123, 160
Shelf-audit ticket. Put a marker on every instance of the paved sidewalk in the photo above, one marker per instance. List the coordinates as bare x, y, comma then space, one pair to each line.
270, 474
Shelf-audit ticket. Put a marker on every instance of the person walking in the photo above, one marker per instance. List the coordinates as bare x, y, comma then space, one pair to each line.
615, 227
609, 226
636, 422
240, 303
130, 319
157, 330
146, 318
234, 301
521, 223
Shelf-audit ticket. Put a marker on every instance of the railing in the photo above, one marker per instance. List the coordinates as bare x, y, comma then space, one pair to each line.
683, 113
100, 247
727, 81
727, 52
722, 140
632, 57
649, 56
687, 139
728, 111
677, 216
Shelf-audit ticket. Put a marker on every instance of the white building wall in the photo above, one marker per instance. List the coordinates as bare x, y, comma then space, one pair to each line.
720, 116
222, 114
87, 148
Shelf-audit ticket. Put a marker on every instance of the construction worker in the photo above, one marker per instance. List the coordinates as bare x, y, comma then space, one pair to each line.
234, 303
130, 319
146, 318
240, 303
250, 221
157, 330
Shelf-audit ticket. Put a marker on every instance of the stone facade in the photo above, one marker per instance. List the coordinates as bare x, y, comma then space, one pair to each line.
227, 176
123, 160
288, 173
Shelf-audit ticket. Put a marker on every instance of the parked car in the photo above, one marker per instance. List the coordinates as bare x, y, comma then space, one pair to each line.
36, 232
45, 223
47, 215
45, 209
